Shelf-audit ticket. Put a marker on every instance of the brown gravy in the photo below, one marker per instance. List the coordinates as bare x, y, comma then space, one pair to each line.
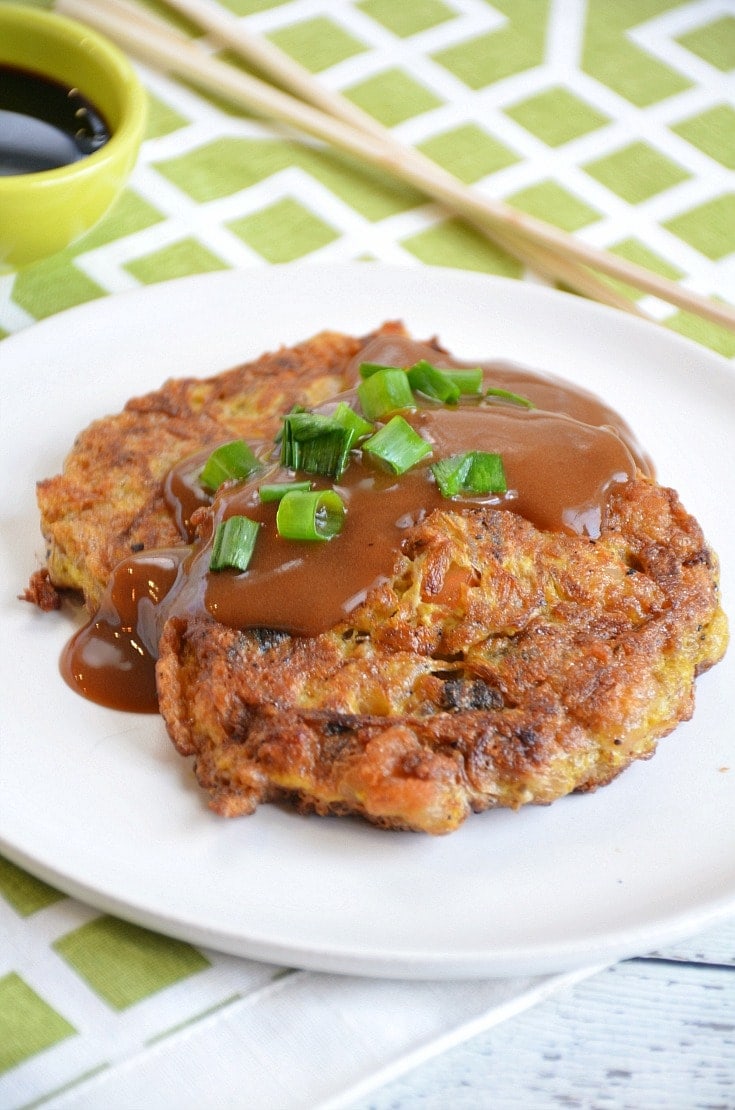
560, 458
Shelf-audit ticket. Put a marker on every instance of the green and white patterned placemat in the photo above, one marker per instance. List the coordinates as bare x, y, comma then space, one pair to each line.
614, 119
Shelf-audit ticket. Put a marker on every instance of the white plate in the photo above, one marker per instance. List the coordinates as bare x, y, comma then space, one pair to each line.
98, 802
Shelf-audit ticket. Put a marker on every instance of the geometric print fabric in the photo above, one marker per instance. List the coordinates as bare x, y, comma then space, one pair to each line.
613, 121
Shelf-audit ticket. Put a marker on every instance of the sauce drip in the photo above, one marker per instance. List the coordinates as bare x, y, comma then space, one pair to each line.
561, 458
44, 124
111, 660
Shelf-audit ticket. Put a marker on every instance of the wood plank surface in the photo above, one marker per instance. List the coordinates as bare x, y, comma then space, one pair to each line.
651, 1033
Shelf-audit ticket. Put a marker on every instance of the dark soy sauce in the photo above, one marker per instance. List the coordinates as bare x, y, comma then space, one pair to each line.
44, 124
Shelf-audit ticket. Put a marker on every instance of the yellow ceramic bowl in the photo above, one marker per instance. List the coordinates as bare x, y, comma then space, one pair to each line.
40, 213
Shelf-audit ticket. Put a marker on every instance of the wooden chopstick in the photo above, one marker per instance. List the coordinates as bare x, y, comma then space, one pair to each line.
268, 58
544, 247
155, 41
288, 73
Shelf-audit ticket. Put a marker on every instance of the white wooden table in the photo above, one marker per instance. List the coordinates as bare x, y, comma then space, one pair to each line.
652, 1032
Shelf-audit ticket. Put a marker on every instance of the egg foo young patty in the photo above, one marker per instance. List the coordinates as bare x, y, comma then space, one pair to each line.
449, 653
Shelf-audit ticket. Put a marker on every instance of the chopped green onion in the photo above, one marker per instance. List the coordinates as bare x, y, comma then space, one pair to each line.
274, 491
312, 515
294, 409
231, 460
450, 474
513, 398
315, 443
367, 369
468, 379
234, 540
472, 472
434, 383
351, 420
397, 445
486, 473
386, 391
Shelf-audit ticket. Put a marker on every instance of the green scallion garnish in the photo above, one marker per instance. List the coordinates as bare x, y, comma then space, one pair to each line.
472, 472
310, 515
234, 540
467, 379
386, 391
512, 398
295, 408
352, 420
397, 445
274, 491
315, 443
450, 474
434, 383
486, 473
367, 369
231, 460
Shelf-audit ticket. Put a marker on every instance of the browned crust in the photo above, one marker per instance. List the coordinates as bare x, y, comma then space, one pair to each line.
40, 591
500, 666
